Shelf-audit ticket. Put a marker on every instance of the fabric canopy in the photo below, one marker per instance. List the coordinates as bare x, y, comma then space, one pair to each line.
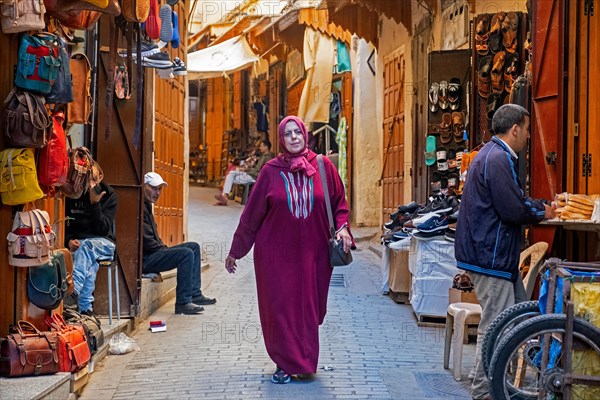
230, 56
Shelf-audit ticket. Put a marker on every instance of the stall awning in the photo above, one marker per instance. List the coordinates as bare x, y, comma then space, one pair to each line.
232, 55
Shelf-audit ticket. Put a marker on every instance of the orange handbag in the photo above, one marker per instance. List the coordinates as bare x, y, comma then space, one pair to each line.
73, 349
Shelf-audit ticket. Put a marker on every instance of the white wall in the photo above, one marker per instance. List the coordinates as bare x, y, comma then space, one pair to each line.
367, 140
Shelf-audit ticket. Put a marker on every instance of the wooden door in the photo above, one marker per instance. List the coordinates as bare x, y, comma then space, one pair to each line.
215, 125
347, 111
547, 106
123, 170
393, 117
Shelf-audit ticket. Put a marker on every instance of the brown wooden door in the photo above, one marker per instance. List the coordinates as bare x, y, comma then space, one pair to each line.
547, 105
123, 170
215, 125
393, 156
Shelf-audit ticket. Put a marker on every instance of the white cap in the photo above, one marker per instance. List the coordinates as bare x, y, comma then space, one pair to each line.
154, 179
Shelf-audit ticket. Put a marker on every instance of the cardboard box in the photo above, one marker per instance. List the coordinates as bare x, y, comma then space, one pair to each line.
399, 278
458, 296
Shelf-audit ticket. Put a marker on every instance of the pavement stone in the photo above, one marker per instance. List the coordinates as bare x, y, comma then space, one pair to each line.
374, 345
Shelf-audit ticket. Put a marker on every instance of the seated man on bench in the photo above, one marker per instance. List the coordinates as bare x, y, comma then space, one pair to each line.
248, 176
90, 236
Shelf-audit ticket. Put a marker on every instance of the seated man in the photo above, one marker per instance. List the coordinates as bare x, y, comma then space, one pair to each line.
90, 235
158, 257
248, 176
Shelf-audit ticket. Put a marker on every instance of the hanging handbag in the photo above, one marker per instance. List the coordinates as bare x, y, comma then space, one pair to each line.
62, 89
79, 110
28, 351
31, 239
47, 284
135, 10
80, 170
66, 255
337, 256
18, 177
38, 62
73, 350
74, 19
53, 163
91, 326
22, 15
26, 120
110, 7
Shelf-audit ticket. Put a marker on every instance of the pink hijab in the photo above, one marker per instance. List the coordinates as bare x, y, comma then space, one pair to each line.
298, 161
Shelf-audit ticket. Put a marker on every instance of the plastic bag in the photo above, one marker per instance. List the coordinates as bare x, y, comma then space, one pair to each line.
122, 344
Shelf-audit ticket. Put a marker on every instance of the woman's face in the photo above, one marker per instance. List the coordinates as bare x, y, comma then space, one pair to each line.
293, 139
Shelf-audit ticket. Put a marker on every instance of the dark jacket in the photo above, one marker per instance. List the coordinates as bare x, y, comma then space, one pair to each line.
152, 242
493, 208
85, 220
262, 160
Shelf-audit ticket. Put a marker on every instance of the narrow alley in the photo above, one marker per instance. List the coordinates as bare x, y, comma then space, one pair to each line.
371, 347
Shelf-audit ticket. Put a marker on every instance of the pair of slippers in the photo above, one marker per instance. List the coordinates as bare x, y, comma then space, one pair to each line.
452, 126
121, 79
441, 182
445, 95
163, 24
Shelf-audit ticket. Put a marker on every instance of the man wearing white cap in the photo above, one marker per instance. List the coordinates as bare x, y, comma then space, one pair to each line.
158, 257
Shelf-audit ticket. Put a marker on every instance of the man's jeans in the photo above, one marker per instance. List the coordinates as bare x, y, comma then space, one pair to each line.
85, 267
186, 258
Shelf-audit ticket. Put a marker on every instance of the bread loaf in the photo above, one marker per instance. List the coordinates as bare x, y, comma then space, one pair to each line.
581, 199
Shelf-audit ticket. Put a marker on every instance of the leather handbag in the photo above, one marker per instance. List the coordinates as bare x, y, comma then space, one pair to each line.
38, 62
31, 239
337, 256
18, 177
47, 284
79, 110
91, 326
80, 170
28, 352
69, 268
22, 15
53, 163
73, 349
135, 10
111, 7
26, 120
74, 19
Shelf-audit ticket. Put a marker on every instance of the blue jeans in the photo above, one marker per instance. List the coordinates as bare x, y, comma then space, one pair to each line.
186, 258
85, 267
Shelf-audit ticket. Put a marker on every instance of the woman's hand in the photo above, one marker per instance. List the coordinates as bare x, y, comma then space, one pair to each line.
346, 239
230, 264
74, 245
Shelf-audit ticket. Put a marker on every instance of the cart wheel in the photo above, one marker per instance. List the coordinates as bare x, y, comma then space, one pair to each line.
503, 323
515, 369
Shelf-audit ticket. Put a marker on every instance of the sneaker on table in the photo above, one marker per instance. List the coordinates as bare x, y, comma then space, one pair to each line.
434, 224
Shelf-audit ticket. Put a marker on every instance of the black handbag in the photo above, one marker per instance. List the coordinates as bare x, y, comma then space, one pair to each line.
47, 284
91, 327
337, 256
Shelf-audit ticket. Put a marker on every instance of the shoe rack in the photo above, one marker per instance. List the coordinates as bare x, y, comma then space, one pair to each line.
498, 44
448, 116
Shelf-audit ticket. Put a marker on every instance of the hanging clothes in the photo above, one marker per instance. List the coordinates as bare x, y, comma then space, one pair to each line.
262, 123
342, 141
318, 62
343, 58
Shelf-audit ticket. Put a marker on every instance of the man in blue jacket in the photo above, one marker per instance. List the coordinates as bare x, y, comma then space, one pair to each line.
488, 232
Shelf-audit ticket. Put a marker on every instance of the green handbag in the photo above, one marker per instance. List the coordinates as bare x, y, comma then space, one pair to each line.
47, 284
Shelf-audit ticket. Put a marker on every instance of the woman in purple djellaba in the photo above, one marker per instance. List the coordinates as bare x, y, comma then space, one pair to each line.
285, 219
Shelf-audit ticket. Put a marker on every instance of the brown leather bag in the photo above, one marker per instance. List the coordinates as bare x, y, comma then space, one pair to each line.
75, 19
26, 120
135, 10
73, 349
112, 6
69, 267
21, 15
28, 352
79, 110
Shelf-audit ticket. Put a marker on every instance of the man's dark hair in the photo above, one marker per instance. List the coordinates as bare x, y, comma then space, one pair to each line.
507, 116
266, 143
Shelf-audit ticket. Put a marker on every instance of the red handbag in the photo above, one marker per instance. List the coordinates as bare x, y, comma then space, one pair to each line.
153, 21
53, 163
73, 349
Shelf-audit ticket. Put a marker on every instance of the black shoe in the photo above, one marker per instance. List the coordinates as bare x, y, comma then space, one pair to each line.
203, 300
71, 302
188, 309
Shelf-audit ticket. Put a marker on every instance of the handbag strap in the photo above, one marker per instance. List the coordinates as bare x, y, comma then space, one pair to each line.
326, 194
25, 326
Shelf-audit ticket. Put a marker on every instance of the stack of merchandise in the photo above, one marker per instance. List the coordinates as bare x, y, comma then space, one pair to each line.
575, 206
435, 220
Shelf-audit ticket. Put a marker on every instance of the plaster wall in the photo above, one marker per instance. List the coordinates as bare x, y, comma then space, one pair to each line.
367, 139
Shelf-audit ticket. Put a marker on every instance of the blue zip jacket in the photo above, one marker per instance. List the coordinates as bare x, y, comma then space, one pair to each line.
492, 210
